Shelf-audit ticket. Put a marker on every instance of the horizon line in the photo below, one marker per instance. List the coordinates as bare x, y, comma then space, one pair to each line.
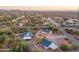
40, 8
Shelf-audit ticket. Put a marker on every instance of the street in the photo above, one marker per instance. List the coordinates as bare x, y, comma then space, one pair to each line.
69, 36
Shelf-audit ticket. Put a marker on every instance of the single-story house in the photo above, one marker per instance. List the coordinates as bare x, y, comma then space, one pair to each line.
27, 35
45, 31
48, 44
72, 21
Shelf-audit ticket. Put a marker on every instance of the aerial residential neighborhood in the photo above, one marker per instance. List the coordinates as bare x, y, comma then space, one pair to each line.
39, 31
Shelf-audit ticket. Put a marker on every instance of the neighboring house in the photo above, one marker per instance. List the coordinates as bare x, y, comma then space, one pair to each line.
72, 22
14, 20
45, 31
27, 35
48, 44
42, 32
23, 22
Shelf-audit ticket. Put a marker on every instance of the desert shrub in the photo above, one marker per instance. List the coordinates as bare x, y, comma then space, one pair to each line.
21, 46
65, 47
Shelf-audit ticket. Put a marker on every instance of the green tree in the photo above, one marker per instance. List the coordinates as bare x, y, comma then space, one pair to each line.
64, 47
21, 46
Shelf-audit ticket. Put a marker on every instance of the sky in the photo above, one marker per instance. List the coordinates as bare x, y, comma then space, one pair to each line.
40, 8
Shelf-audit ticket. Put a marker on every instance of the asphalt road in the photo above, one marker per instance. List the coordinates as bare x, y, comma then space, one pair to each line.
69, 36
